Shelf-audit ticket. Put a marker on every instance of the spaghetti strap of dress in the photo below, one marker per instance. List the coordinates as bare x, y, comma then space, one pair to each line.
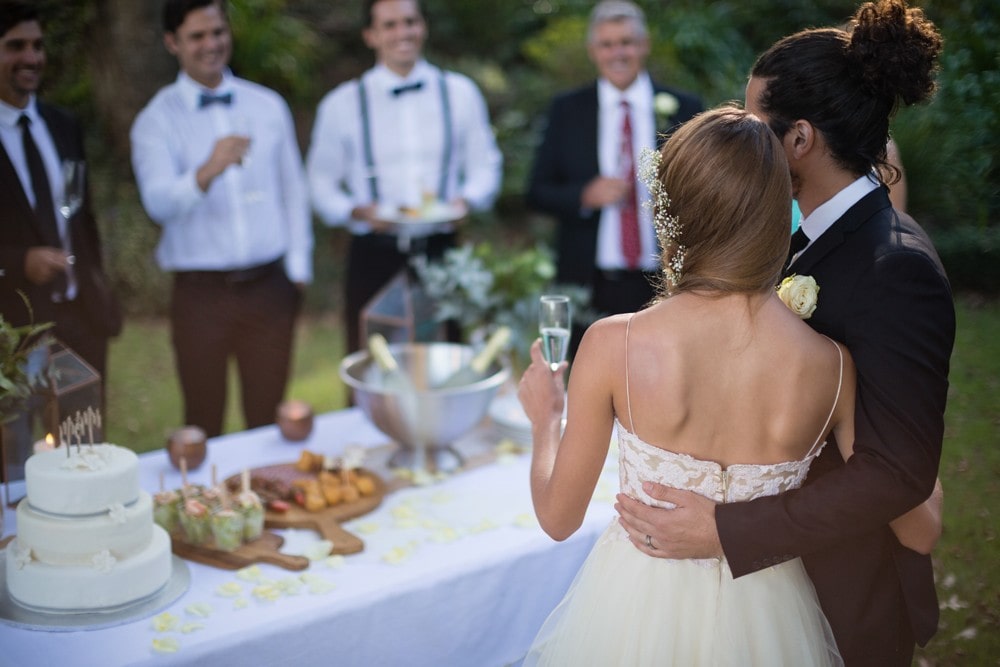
840, 383
628, 397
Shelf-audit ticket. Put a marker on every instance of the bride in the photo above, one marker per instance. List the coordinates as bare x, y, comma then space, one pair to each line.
717, 388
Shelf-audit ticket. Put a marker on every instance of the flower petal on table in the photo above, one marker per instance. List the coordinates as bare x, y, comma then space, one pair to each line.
165, 622
230, 589
199, 609
166, 645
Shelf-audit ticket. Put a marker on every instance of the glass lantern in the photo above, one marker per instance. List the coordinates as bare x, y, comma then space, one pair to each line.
402, 312
71, 392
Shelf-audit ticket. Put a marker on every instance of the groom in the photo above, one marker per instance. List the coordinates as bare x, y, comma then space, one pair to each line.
884, 294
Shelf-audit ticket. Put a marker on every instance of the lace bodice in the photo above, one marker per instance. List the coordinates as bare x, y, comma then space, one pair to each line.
638, 462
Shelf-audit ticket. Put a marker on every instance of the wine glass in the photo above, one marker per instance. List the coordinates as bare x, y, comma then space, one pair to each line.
73, 173
554, 325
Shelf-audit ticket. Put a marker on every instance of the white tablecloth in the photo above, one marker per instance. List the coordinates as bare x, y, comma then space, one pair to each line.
455, 573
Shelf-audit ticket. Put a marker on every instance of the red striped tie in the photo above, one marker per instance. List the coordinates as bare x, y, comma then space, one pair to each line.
629, 214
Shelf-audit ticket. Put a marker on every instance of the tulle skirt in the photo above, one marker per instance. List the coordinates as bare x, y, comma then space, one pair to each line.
626, 608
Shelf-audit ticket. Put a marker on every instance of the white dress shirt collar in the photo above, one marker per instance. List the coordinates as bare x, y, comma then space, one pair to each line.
9, 115
190, 90
386, 79
827, 213
639, 94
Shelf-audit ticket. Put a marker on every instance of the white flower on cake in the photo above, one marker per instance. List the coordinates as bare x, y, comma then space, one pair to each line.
22, 556
103, 561
91, 458
116, 513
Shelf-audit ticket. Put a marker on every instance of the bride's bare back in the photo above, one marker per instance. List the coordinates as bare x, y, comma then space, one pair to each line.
742, 381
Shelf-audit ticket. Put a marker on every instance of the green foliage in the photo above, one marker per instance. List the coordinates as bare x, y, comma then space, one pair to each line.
16, 381
522, 52
129, 238
969, 630
559, 51
274, 48
971, 257
144, 399
951, 148
701, 49
486, 286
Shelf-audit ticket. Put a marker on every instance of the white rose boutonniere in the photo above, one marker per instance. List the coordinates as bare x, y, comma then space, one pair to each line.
800, 294
665, 105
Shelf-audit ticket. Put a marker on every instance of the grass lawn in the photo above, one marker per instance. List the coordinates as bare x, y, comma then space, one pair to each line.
144, 400
144, 405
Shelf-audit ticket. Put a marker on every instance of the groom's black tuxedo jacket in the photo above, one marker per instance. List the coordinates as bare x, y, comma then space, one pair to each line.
20, 230
883, 293
566, 160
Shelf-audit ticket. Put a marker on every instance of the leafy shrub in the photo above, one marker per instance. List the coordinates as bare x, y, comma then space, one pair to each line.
971, 257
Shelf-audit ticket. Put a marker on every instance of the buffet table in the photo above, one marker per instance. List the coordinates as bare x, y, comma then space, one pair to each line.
456, 572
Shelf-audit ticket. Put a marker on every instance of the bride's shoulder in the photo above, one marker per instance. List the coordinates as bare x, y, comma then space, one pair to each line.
605, 330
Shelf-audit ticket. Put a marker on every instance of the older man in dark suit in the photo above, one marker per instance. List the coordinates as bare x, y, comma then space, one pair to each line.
584, 171
53, 260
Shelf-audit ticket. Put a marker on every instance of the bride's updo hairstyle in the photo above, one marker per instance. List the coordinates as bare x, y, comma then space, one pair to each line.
727, 180
849, 83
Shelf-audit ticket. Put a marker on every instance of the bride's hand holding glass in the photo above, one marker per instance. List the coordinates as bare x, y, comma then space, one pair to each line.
541, 391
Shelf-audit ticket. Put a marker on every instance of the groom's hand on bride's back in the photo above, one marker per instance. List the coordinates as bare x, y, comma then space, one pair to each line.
687, 531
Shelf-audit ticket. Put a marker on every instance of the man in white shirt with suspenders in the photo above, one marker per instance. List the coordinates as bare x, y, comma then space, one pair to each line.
405, 132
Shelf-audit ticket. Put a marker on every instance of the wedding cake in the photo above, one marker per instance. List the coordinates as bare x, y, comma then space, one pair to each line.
86, 540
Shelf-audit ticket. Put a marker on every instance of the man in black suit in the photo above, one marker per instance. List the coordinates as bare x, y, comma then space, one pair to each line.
583, 175
56, 263
883, 293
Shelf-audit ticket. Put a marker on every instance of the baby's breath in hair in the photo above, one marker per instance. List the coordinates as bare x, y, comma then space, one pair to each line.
667, 226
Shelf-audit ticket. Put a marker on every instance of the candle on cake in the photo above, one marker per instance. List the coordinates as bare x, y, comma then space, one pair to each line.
46, 444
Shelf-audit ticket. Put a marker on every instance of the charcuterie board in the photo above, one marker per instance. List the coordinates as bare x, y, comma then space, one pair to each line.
326, 521
264, 549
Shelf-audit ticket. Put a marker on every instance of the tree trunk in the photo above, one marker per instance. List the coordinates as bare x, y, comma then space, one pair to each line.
128, 65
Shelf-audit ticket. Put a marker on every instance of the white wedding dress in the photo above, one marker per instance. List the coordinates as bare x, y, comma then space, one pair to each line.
628, 609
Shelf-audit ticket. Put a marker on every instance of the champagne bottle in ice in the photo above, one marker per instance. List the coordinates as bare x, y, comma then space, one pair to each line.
476, 369
394, 378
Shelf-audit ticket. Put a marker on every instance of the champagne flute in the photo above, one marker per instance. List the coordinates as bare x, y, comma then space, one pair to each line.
73, 173
74, 186
554, 325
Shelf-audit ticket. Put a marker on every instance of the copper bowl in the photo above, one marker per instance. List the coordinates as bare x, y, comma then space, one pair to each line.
295, 420
189, 443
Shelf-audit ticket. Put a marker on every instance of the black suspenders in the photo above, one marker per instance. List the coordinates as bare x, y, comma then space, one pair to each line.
366, 138
446, 151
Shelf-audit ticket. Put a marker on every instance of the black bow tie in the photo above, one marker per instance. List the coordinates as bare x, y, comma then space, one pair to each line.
406, 88
208, 99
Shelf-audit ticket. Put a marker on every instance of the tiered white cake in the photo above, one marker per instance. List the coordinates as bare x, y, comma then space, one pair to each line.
86, 540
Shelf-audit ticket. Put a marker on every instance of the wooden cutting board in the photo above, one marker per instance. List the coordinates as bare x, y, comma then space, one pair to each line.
326, 522
265, 549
